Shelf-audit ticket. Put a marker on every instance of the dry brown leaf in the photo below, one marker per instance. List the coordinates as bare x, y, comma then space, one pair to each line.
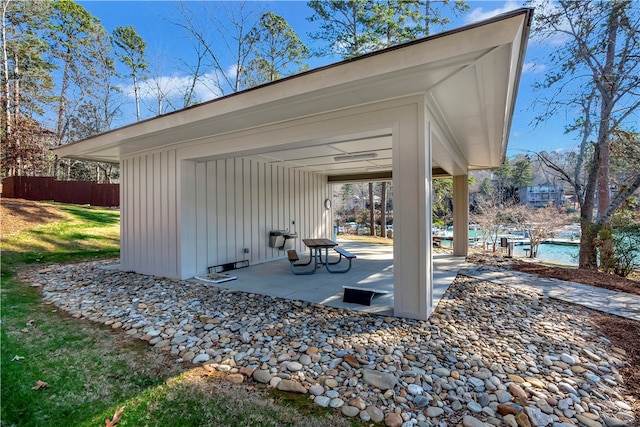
116, 417
40, 385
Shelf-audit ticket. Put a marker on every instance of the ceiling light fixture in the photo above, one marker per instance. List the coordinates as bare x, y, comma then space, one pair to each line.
354, 157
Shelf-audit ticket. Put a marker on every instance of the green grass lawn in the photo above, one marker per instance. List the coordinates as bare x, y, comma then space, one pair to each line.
92, 370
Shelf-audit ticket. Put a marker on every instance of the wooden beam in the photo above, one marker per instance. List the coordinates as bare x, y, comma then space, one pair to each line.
378, 176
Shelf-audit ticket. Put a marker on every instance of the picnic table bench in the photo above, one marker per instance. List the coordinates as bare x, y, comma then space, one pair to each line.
316, 246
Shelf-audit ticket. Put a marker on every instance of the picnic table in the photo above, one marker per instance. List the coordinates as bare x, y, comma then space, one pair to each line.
316, 247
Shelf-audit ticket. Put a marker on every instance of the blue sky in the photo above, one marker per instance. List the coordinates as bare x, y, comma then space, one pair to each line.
167, 45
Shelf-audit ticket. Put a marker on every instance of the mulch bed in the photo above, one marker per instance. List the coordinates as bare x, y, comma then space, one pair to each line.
625, 333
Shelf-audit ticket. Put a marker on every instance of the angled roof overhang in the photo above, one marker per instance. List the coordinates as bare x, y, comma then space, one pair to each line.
469, 77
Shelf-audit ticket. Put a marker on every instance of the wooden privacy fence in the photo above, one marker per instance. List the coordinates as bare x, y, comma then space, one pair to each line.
46, 188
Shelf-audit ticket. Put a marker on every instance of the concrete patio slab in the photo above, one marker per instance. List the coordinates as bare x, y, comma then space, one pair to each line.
373, 268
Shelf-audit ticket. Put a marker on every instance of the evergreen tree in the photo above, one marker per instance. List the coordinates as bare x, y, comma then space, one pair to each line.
511, 176
352, 27
344, 25
27, 84
432, 13
278, 51
75, 42
485, 188
132, 54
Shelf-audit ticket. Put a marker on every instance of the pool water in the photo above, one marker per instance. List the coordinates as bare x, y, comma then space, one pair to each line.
560, 254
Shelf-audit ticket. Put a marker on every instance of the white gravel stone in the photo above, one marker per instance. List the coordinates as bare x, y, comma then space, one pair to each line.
433, 411
201, 358
322, 401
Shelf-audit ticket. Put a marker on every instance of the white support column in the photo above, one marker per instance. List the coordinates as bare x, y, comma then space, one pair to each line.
412, 262
460, 215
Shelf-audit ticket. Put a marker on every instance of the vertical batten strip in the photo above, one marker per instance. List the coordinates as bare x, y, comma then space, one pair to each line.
221, 211
231, 206
212, 215
142, 212
255, 213
201, 217
262, 209
268, 206
239, 214
246, 208
148, 195
157, 235
286, 202
172, 212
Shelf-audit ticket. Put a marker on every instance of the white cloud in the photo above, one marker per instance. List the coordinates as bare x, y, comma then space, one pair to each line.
174, 87
541, 7
534, 68
479, 14
546, 8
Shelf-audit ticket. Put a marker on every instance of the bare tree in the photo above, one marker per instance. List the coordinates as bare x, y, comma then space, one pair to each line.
195, 72
491, 215
596, 72
539, 223
158, 90
230, 38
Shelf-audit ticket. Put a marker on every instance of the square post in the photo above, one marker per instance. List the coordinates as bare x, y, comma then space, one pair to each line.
412, 187
460, 215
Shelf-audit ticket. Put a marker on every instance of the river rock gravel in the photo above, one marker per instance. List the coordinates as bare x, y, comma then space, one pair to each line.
489, 355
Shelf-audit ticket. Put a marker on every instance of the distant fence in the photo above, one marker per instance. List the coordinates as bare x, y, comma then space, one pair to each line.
45, 188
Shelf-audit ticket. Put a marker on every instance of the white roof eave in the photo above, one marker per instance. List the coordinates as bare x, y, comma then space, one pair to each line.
387, 74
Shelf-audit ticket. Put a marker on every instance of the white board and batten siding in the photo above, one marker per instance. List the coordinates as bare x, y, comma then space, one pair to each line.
226, 206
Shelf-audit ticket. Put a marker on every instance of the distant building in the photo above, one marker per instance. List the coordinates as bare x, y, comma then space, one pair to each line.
541, 195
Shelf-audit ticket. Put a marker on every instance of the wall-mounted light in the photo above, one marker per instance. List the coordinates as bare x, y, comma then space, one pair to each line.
354, 157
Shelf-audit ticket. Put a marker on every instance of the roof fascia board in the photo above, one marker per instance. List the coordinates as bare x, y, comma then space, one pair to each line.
517, 61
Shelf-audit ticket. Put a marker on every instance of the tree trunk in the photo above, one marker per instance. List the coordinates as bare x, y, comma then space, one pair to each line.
383, 210
56, 166
588, 255
604, 179
427, 17
137, 96
5, 68
372, 228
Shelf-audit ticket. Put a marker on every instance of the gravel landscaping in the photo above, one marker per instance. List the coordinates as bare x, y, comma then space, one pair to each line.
489, 355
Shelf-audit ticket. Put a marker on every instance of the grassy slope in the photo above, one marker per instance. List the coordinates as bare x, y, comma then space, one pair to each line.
90, 369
